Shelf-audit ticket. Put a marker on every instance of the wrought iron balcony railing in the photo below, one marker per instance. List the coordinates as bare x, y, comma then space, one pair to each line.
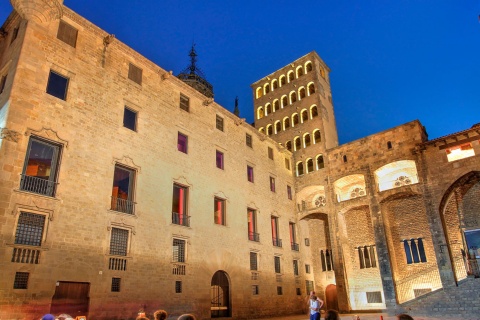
253, 236
123, 205
277, 242
38, 185
180, 219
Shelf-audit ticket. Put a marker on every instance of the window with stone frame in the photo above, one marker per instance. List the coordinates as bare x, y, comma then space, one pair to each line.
135, 73
277, 265
30, 229
253, 261
219, 211
219, 123
414, 251
179, 250
277, 242
289, 193
119, 242
366, 256
123, 190
180, 205
326, 259
21, 280
184, 103
178, 286
309, 285
67, 33
295, 267
219, 159
250, 174
307, 268
270, 153
272, 184
255, 290
40, 169
115, 285
182, 143
248, 140
252, 225
57, 85
130, 119
279, 290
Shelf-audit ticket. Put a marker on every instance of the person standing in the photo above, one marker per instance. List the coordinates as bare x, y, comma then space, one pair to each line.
314, 308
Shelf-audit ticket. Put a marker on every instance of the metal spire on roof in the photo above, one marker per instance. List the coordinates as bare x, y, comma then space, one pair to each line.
194, 77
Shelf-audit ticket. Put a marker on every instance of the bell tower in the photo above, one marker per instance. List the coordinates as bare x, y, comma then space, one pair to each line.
40, 11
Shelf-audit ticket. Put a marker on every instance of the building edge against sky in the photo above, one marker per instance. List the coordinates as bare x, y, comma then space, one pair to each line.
118, 180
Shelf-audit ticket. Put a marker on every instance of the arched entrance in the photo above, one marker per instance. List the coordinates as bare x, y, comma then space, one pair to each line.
220, 295
331, 297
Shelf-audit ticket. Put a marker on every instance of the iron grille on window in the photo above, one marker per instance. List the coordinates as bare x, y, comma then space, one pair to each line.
24, 255
279, 291
253, 261
119, 242
30, 229
255, 289
67, 33
116, 284
184, 103
248, 140
254, 276
219, 123
178, 286
179, 269
135, 74
178, 250
277, 264
374, 297
21, 280
117, 264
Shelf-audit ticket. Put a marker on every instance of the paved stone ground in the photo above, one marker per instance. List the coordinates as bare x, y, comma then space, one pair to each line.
365, 316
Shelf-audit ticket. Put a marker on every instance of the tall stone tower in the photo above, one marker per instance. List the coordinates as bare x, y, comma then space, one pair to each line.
293, 106
39, 11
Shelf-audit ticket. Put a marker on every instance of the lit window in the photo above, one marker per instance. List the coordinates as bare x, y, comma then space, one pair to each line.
219, 123
277, 242
179, 205
41, 167
219, 211
252, 225
182, 143
135, 74
130, 119
67, 33
250, 174
122, 190
219, 159
57, 85
184, 103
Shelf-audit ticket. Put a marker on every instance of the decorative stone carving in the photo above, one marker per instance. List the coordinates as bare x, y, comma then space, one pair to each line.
40, 11
402, 181
320, 201
10, 135
47, 133
208, 101
126, 160
239, 121
357, 192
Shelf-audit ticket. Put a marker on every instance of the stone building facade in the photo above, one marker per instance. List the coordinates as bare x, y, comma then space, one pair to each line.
123, 188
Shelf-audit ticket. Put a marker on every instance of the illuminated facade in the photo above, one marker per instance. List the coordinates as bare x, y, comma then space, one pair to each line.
125, 188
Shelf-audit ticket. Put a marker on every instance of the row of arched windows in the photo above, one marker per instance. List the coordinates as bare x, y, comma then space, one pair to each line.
282, 80
310, 165
303, 142
284, 124
285, 100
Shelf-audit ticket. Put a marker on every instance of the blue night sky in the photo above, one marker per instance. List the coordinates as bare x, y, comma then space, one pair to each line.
391, 61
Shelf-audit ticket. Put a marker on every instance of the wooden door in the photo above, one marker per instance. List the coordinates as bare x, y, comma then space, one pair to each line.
71, 298
331, 297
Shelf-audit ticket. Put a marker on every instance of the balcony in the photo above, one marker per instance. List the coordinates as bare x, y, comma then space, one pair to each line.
38, 185
294, 246
178, 269
123, 205
181, 219
252, 236
118, 264
277, 242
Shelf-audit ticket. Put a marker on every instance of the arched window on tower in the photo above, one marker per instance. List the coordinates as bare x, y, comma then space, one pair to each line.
269, 130
316, 136
278, 126
274, 84
299, 72
309, 165
307, 140
276, 105
288, 145
320, 163
259, 92
304, 115
322, 72
262, 130
308, 67
291, 76
260, 113
311, 89
286, 123
284, 101
293, 97
299, 169
301, 93
298, 143
282, 80
268, 108
295, 119
313, 112
267, 88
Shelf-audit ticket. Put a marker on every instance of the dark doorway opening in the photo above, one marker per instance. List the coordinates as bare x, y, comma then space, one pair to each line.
220, 295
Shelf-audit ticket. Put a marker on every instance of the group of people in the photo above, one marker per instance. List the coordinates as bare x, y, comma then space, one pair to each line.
315, 304
157, 315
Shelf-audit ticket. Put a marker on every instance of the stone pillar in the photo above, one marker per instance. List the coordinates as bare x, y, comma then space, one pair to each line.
40, 11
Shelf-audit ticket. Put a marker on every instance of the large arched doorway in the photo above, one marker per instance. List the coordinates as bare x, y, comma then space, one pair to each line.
331, 297
220, 295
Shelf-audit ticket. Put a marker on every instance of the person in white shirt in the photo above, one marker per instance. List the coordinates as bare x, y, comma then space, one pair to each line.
314, 308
